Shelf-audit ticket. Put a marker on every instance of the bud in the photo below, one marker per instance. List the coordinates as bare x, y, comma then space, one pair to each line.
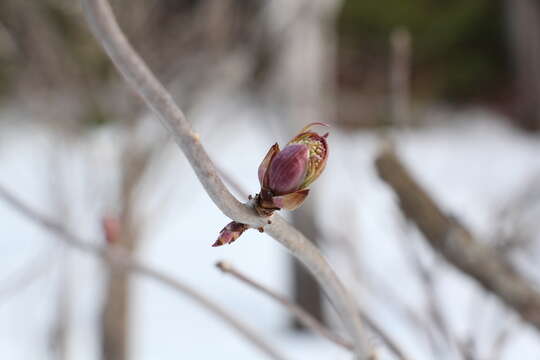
230, 233
288, 169
284, 175
111, 229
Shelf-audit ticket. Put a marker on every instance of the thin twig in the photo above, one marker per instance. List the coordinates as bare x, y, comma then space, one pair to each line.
310, 321
427, 277
103, 23
386, 292
303, 316
118, 257
501, 340
386, 339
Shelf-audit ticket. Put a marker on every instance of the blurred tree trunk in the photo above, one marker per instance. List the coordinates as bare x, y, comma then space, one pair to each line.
61, 324
124, 232
302, 83
115, 317
61, 327
305, 289
115, 321
523, 18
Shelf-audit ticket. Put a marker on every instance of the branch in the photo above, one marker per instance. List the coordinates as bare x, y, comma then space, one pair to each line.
303, 316
117, 257
307, 319
387, 340
100, 17
457, 245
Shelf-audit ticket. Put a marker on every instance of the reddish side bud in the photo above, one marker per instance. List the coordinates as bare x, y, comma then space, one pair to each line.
230, 233
111, 229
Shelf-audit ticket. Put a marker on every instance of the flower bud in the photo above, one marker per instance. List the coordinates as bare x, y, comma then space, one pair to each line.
230, 233
288, 169
284, 175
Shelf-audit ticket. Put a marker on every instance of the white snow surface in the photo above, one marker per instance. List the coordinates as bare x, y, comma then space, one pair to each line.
471, 161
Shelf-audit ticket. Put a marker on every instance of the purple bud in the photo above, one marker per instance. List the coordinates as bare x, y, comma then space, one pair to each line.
288, 169
230, 233
285, 175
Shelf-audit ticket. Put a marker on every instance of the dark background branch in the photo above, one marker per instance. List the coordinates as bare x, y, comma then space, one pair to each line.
456, 244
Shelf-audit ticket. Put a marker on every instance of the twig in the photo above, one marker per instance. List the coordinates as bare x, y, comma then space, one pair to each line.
427, 279
139, 77
456, 244
306, 318
386, 292
117, 257
386, 339
100, 17
500, 341
303, 316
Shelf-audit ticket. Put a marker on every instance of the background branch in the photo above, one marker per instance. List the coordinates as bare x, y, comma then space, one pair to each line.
303, 316
307, 319
119, 258
141, 79
456, 244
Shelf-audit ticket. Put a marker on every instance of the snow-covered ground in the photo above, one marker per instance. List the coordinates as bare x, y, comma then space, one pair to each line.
471, 162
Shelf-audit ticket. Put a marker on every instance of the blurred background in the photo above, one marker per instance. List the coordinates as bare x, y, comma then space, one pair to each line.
456, 85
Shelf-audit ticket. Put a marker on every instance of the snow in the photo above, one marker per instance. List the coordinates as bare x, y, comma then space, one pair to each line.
471, 161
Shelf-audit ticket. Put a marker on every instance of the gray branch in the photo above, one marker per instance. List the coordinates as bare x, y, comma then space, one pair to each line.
103, 23
310, 321
119, 258
302, 315
456, 244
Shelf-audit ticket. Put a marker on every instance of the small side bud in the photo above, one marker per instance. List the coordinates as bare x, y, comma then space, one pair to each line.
230, 233
111, 229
